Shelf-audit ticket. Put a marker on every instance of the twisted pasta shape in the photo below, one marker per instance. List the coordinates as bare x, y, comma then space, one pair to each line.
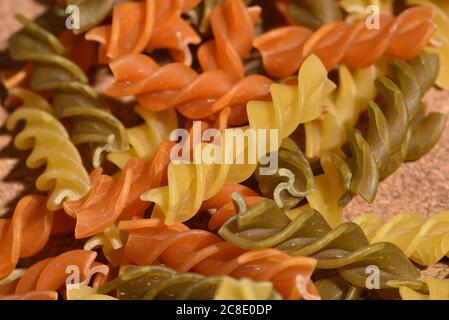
343, 109
190, 184
425, 241
25, 234
72, 98
437, 290
441, 37
344, 248
111, 242
223, 205
195, 96
357, 9
203, 252
147, 25
108, 200
400, 131
284, 49
201, 14
233, 29
158, 282
310, 13
146, 138
52, 274
293, 180
64, 176
91, 12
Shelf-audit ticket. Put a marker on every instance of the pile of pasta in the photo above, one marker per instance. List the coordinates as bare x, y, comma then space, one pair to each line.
114, 216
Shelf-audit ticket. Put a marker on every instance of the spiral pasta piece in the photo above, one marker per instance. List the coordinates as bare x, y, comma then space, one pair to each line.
146, 25
72, 96
108, 200
158, 282
441, 37
146, 138
293, 179
437, 290
25, 234
203, 252
425, 241
233, 29
310, 13
344, 248
190, 184
91, 12
201, 14
224, 206
53, 274
400, 131
343, 109
64, 176
195, 96
284, 49
111, 242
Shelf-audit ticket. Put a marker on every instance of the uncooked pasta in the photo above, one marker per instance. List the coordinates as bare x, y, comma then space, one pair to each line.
210, 150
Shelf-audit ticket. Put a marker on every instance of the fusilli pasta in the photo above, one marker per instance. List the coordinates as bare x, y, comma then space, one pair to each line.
64, 176
425, 241
284, 49
73, 98
200, 251
158, 282
345, 248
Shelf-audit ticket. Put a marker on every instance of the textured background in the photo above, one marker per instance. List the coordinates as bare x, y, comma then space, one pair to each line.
419, 187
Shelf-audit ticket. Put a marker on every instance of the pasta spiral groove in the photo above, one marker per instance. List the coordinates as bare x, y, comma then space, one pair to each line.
291, 106
158, 282
64, 176
203, 252
26, 233
72, 96
355, 45
344, 249
425, 241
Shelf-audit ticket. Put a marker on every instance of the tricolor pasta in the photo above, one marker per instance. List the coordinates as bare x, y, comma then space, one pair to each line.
224, 141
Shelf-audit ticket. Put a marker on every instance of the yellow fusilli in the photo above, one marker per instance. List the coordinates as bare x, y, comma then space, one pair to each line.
190, 184
65, 177
425, 241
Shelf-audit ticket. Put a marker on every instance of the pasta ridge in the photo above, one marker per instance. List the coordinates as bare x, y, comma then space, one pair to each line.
395, 130
290, 106
233, 29
425, 241
164, 283
284, 49
50, 274
110, 200
344, 249
205, 253
26, 233
154, 25
65, 176
73, 98
145, 139
195, 96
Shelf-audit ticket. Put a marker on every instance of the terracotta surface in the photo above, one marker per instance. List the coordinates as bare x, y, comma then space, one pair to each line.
419, 187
